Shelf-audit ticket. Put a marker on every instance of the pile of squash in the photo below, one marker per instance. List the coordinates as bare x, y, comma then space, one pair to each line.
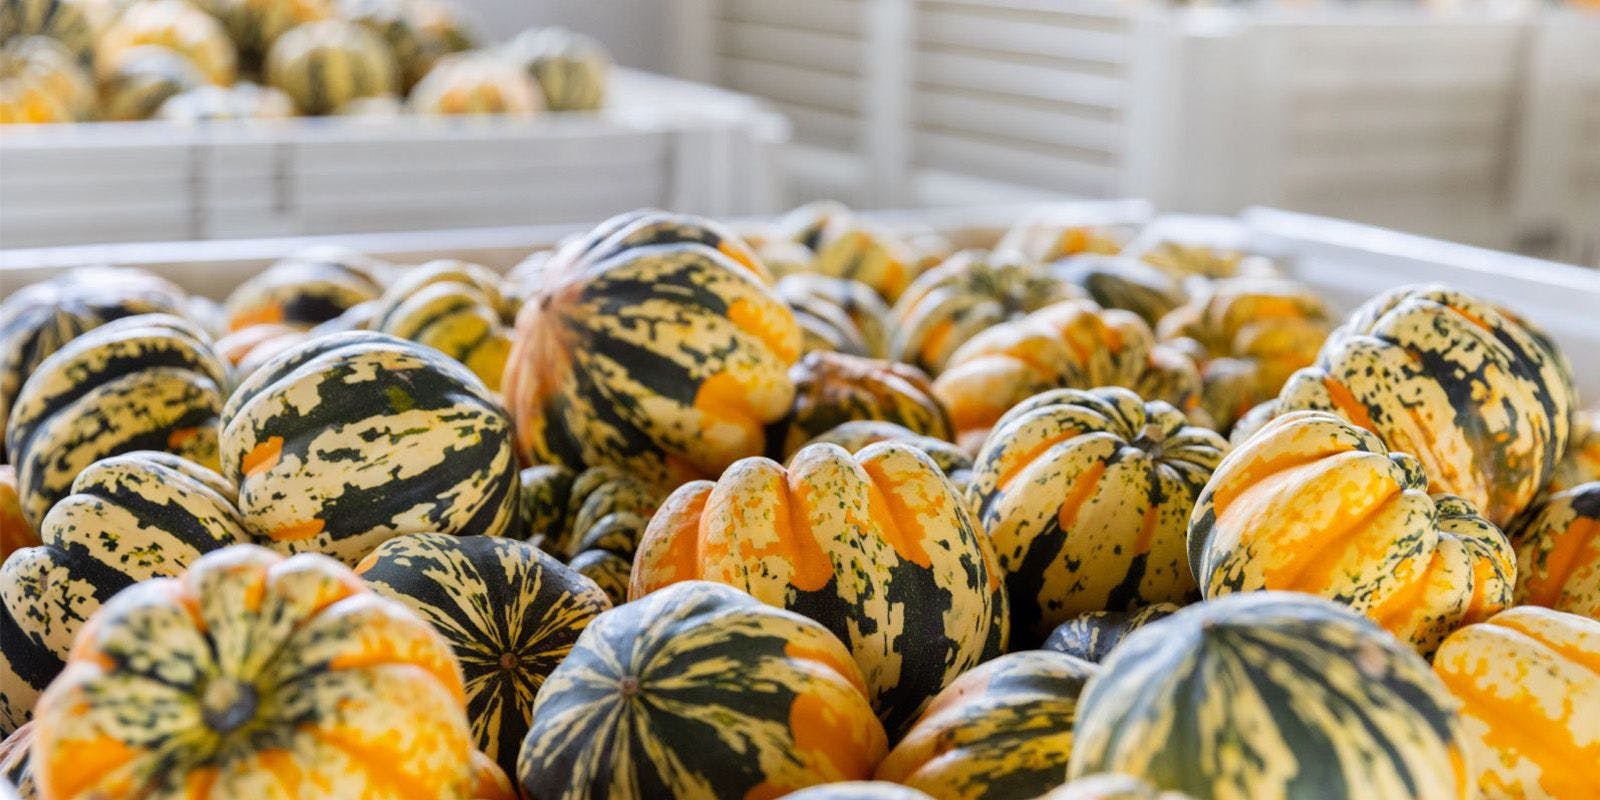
203, 60
823, 510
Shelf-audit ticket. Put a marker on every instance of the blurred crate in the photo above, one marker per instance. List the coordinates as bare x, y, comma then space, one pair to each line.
660, 142
1557, 188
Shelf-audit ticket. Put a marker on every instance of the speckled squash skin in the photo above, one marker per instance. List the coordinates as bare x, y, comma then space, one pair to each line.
594, 520
1483, 402
1314, 504
844, 246
253, 675
1528, 680
306, 289
1272, 694
148, 382
657, 346
354, 438
129, 518
878, 546
1111, 786
837, 314
1075, 344
969, 293
16, 768
15, 532
1582, 461
454, 307
39, 319
1086, 496
856, 436
833, 388
1558, 552
1122, 282
638, 710
1092, 635
510, 612
1251, 334
1001, 731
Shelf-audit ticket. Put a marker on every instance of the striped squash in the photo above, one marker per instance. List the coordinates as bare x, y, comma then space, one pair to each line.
1482, 402
1092, 635
636, 711
253, 675
833, 388
1314, 504
1111, 786
858, 790
1075, 344
510, 612
657, 347
354, 438
1582, 461
16, 770
969, 293
247, 349
143, 79
878, 547
1086, 496
856, 436
39, 319
306, 289
15, 532
1558, 552
1272, 694
593, 520
844, 246
454, 307
1528, 680
476, 83
441, 26
41, 83
1001, 731
325, 65
254, 25
1048, 237
391, 22
1122, 282
809, 225
69, 22
836, 314
147, 382
176, 25
569, 68
1189, 261
1251, 334
129, 518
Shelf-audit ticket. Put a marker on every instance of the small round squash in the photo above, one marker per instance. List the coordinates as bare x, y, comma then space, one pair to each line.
476, 83
1272, 694
833, 388
837, 314
177, 25
856, 436
325, 65
1092, 635
143, 79
844, 246
1528, 680
129, 518
306, 289
354, 438
1086, 496
1314, 504
1001, 731
41, 83
569, 69
1122, 282
254, 25
70, 22
593, 520
1558, 552
1481, 400
510, 612
454, 307
878, 546
699, 691
253, 675
1048, 237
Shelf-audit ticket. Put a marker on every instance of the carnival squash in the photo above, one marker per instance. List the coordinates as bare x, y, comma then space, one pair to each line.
1086, 496
1558, 552
593, 520
831, 389
856, 436
846, 246
1122, 282
836, 314
699, 691
176, 25
1272, 694
878, 546
1048, 237
476, 83
324, 66
1314, 504
354, 438
454, 307
1092, 635
306, 289
569, 69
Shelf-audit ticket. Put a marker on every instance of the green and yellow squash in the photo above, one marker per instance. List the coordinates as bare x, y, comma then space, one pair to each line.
653, 350
1314, 504
143, 79
254, 25
176, 25
1195, 263
856, 436
1048, 237
510, 612
836, 314
1481, 400
354, 438
845, 246
306, 289
1001, 731
1086, 496
325, 65
1558, 552
70, 22
41, 83
454, 307
699, 691
877, 546
967, 294
147, 382
831, 389
1075, 344
391, 22
1122, 282
129, 518
1092, 634
1528, 681
476, 83
1272, 694
593, 521
570, 69
255, 675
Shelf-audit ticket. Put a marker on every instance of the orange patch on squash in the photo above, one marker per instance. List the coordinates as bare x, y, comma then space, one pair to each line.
773, 324
297, 531
847, 669
197, 784
1578, 544
1404, 601
812, 567
262, 457
15, 532
836, 747
897, 518
937, 337
1019, 462
1082, 490
258, 316
180, 437
1345, 402
73, 766
1516, 726
722, 398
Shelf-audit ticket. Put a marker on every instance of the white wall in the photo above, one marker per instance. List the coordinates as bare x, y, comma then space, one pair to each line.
634, 30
